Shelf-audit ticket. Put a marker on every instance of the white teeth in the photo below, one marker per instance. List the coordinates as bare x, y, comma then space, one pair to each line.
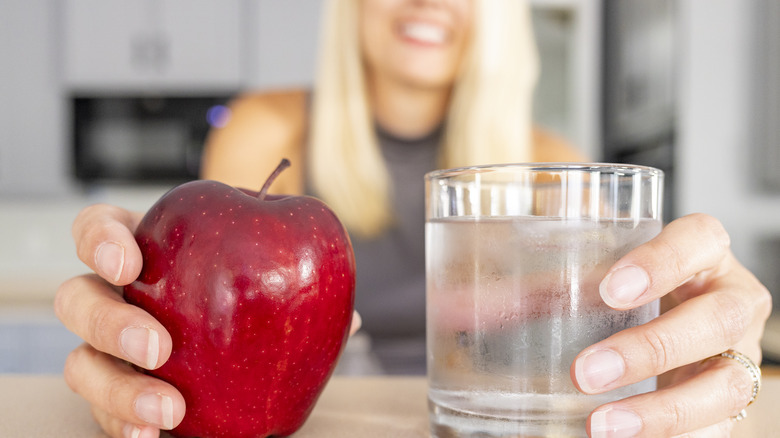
426, 33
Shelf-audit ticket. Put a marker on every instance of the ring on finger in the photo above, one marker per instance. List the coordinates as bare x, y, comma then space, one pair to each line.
752, 368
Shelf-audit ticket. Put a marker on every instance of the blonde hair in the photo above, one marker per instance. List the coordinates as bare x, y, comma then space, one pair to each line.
488, 121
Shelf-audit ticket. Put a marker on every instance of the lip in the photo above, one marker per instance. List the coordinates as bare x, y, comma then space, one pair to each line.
423, 32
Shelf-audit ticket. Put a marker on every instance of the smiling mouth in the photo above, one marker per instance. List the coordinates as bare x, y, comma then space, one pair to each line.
424, 33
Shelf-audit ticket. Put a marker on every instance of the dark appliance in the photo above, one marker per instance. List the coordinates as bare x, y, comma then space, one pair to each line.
142, 139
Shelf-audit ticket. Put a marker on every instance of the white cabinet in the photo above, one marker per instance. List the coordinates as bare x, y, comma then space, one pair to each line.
281, 49
568, 94
141, 45
33, 155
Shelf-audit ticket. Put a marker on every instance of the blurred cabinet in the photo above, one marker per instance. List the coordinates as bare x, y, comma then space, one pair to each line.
639, 93
33, 154
281, 43
568, 94
152, 44
767, 91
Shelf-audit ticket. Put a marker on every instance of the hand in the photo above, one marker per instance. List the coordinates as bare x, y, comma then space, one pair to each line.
717, 305
124, 402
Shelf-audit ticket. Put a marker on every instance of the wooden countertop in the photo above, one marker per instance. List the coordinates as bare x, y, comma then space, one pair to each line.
379, 407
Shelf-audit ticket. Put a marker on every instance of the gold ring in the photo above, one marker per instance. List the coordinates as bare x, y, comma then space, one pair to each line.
755, 375
741, 416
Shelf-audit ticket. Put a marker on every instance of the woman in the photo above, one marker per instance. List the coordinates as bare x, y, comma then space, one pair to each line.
389, 92
406, 86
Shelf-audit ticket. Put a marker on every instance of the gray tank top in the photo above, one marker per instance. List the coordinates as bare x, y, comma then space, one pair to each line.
390, 289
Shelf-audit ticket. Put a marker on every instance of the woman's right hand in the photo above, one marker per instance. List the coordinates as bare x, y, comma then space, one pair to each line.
125, 402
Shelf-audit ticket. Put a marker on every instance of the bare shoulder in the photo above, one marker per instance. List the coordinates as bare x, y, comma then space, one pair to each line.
272, 119
283, 108
263, 128
550, 148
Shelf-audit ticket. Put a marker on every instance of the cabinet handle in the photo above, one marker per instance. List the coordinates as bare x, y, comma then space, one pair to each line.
150, 53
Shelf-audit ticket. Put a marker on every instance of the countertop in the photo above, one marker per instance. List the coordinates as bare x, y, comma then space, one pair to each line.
393, 407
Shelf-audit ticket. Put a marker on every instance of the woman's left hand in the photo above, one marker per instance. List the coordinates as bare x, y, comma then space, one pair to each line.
717, 305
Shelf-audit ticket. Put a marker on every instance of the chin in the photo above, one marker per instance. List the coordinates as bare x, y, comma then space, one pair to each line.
430, 82
426, 74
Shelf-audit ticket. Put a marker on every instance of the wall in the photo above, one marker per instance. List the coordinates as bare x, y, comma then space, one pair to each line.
32, 147
281, 62
717, 130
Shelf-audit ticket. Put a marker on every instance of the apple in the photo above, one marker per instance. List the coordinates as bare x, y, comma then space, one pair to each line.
257, 292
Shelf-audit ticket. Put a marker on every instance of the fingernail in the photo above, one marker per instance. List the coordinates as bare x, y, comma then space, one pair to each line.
141, 345
155, 409
110, 260
131, 431
624, 286
614, 423
598, 369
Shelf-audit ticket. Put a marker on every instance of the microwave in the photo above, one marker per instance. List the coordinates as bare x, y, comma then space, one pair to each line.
146, 139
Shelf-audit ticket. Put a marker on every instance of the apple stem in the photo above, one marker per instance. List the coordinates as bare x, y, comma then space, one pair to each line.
283, 165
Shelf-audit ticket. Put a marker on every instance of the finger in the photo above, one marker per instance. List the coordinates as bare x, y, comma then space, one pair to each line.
695, 244
697, 328
356, 323
719, 391
720, 430
117, 428
104, 241
94, 311
118, 390
753, 299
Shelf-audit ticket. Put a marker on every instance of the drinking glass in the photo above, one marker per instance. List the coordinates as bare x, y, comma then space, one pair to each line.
514, 257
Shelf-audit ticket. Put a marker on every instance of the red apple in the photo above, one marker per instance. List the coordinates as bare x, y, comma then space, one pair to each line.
257, 292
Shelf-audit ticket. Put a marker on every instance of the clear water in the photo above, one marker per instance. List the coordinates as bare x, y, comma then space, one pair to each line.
510, 304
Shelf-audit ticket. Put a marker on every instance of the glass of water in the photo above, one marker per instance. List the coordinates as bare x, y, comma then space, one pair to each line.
514, 257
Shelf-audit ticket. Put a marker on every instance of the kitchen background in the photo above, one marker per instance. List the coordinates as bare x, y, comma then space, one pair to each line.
108, 101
